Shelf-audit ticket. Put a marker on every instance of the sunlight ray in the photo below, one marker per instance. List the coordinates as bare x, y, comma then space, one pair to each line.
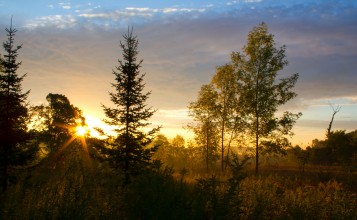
87, 158
64, 146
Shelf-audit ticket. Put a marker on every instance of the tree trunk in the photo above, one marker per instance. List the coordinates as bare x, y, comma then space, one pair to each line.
222, 154
127, 177
4, 168
335, 111
257, 150
207, 145
257, 126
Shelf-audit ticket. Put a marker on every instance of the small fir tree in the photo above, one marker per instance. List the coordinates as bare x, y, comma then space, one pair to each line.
128, 151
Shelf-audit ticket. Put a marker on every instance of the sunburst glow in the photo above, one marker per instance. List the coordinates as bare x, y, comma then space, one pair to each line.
81, 131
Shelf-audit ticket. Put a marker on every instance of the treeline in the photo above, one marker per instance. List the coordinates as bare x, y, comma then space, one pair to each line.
338, 149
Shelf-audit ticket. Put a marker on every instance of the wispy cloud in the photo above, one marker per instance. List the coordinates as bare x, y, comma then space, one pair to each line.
57, 21
114, 18
184, 10
65, 5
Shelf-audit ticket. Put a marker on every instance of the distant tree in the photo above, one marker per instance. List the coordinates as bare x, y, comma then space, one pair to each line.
56, 122
205, 128
302, 156
178, 154
261, 93
162, 144
129, 150
338, 147
13, 108
178, 141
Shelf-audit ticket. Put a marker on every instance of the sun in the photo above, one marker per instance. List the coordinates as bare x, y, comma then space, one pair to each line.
94, 122
81, 131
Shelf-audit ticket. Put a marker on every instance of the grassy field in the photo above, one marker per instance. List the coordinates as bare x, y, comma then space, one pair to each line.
96, 193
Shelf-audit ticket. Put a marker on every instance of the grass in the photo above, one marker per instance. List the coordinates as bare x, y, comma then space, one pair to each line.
72, 191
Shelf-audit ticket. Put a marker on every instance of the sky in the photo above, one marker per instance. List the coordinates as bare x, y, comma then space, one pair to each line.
70, 47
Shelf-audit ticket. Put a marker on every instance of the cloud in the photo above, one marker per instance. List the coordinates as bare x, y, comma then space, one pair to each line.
57, 21
183, 53
185, 10
141, 9
181, 48
65, 5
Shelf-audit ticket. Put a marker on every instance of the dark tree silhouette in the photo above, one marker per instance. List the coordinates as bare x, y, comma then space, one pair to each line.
129, 150
13, 108
56, 122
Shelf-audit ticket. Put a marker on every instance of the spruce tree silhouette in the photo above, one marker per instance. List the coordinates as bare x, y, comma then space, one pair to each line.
129, 150
13, 107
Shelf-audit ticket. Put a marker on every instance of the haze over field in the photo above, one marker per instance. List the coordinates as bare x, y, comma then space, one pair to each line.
71, 47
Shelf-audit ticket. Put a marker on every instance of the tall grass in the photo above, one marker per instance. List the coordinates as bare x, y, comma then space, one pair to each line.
72, 191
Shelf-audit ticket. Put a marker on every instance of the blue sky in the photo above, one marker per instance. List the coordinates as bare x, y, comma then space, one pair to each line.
70, 47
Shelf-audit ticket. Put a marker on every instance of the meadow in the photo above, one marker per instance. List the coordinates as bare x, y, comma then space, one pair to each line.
74, 188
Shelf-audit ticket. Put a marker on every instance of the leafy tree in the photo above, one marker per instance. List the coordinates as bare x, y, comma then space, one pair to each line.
129, 150
178, 141
162, 144
261, 93
225, 85
205, 129
13, 108
56, 122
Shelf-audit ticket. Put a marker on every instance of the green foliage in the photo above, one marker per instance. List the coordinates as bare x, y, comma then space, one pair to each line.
242, 100
262, 93
228, 116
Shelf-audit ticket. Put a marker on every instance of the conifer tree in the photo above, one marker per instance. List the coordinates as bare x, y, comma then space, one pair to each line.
128, 151
13, 108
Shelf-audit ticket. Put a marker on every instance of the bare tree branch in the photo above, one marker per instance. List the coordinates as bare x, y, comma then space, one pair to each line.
335, 111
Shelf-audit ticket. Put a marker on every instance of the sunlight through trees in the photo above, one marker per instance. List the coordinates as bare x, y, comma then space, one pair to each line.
52, 168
